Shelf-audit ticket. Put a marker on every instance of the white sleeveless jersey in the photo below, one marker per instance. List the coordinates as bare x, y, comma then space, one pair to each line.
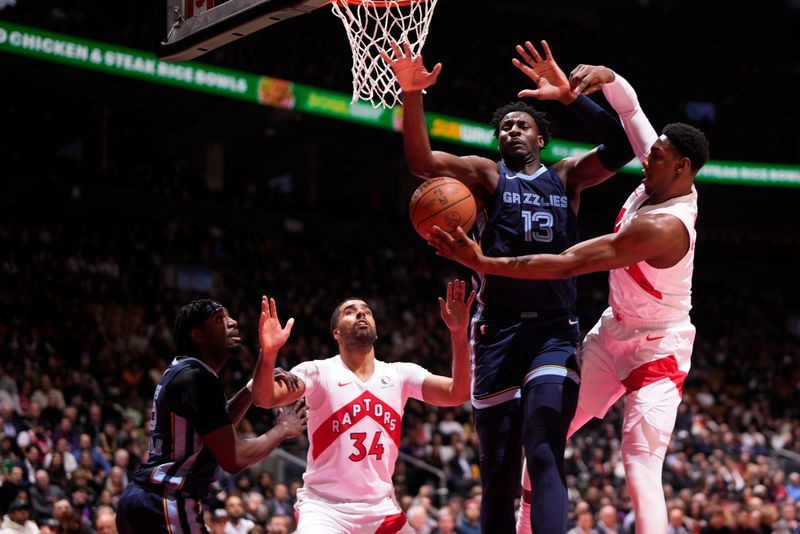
354, 426
641, 290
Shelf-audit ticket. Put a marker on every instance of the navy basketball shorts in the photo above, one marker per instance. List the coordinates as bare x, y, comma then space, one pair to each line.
514, 349
158, 511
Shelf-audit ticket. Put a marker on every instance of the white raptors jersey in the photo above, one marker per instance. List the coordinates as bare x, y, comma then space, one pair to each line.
354, 426
643, 291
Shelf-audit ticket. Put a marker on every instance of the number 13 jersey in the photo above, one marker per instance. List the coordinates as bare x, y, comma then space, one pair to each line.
527, 214
354, 426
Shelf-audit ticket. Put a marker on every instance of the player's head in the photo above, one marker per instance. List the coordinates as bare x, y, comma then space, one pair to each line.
353, 324
676, 156
690, 142
204, 326
520, 129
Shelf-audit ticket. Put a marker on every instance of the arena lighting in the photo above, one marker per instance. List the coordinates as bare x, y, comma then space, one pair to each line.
264, 90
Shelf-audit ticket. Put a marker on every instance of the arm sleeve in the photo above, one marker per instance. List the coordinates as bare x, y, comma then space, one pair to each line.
412, 376
615, 150
197, 395
622, 98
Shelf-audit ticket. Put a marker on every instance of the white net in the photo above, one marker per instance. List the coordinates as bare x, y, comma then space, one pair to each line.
371, 26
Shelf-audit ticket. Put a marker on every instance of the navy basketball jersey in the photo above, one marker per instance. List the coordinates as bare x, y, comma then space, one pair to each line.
527, 214
189, 402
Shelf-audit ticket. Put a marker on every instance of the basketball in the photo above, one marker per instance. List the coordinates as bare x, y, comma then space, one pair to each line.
444, 202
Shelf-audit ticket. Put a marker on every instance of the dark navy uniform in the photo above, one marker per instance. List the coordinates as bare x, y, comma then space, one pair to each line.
166, 493
524, 329
525, 337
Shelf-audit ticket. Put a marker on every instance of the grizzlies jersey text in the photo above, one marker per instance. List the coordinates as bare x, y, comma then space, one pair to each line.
527, 214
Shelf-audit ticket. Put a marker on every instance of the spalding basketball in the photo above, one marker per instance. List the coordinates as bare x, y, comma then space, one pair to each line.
445, 202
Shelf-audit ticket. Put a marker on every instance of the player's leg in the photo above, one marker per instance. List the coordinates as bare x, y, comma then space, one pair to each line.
650, 414
651, 406
548, 409
500, 434
143, 510
600, 384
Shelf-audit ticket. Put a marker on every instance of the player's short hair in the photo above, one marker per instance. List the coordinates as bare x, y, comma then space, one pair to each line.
338, 310
690, 142
192, 316
538, 116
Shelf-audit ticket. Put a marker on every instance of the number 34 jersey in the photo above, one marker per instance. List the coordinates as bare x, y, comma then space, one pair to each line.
527, 214
354, 426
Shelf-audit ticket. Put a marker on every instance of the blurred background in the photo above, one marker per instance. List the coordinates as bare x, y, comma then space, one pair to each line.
121, 200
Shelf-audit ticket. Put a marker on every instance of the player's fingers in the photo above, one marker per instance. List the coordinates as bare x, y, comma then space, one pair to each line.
533, 51
576, 70
471, 298
524, 55
450, 291
441, 234
398, 54
289, 325
529, 93
435, 72
273, 309
526, 70
407, 49
546, 48
386, 57
264, 305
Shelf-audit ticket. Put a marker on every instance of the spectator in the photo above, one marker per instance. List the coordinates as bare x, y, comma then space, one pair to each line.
583, 523
608, 521
44, 495
280, 524
676, 522
12, 486
237, 523
17, 520
281, 503
470, 521
419, 520
105, 523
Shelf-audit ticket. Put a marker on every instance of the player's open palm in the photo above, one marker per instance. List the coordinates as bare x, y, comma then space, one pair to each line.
410, 70
271, 335
293, 419
454, 307
551, 81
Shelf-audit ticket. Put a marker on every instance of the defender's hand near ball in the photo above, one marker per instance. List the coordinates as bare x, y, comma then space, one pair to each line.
458, 247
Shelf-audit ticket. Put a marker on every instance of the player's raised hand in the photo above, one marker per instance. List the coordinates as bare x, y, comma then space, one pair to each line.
293, 419
410, 70
271, 336
587, 79
455, 310
551, 82
459, 248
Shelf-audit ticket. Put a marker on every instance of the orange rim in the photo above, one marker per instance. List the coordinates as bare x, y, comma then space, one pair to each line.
378, 3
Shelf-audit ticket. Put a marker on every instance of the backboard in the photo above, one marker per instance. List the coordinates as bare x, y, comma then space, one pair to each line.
194, 27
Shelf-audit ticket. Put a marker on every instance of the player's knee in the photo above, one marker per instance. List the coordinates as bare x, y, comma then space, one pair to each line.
540, 456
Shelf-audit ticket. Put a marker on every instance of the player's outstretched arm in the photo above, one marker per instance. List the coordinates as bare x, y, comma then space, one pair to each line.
243, 399
620, 94
597, 165
455, 309
235, 454
268, 392
655, 238
479, 174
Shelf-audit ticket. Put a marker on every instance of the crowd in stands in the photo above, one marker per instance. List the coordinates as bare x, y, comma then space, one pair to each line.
85, 332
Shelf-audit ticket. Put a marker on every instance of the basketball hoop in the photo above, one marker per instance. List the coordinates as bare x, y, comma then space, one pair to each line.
371, 25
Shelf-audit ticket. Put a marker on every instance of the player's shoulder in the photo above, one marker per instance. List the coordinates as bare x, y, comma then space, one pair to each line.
404, 370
